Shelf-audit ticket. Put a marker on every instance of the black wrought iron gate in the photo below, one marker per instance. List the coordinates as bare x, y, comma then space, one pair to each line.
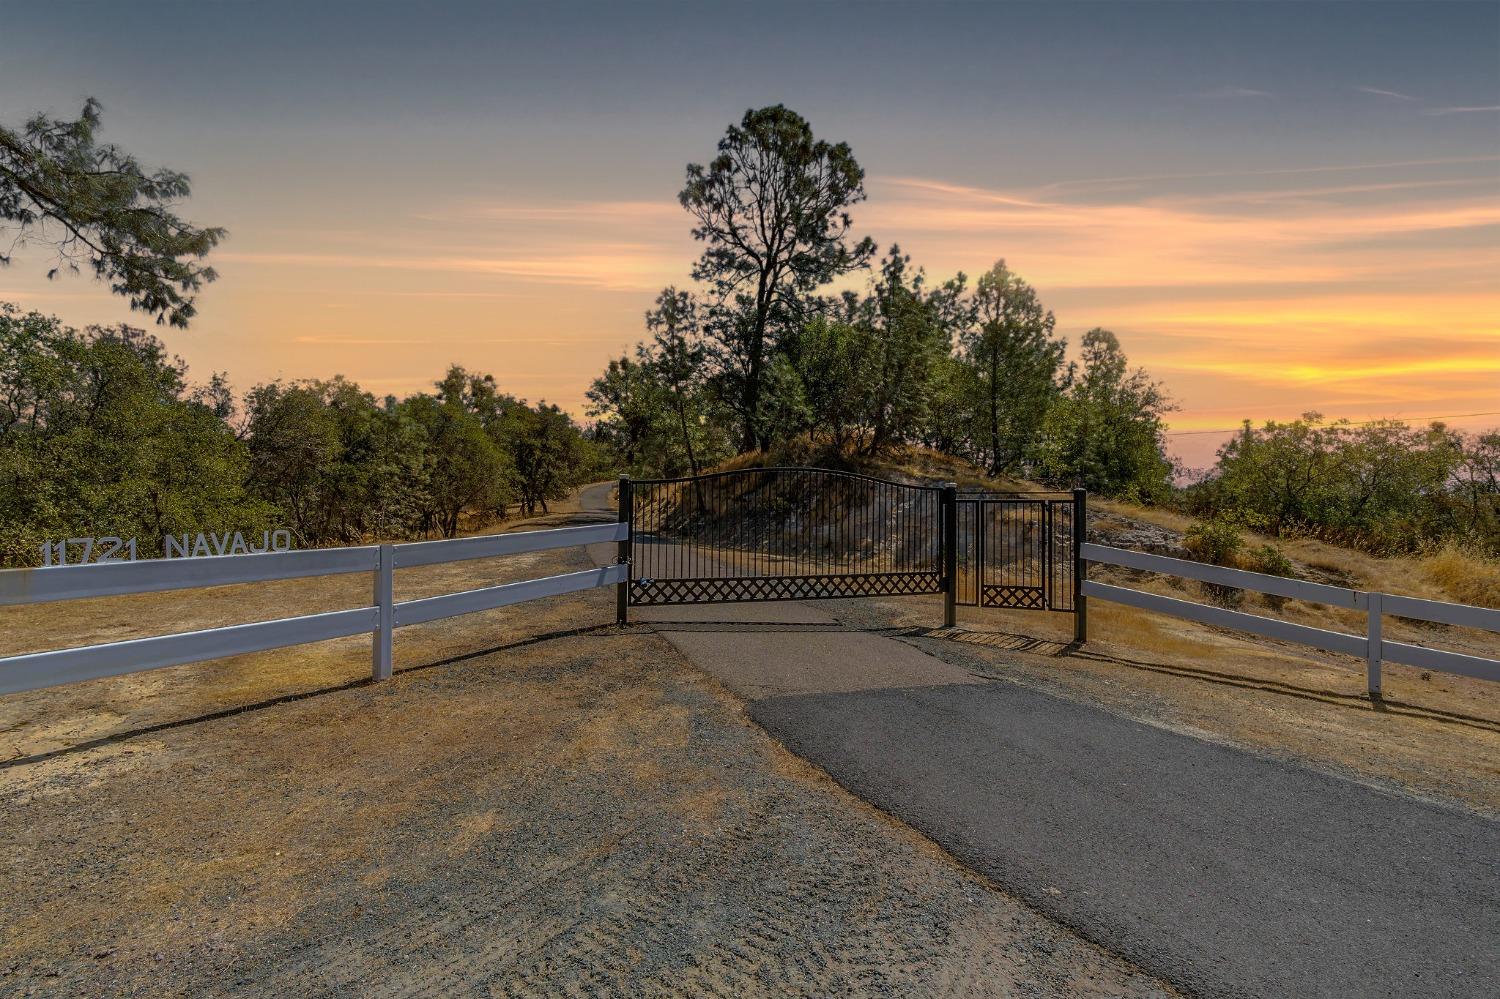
811, 533
1016, 550
780, 534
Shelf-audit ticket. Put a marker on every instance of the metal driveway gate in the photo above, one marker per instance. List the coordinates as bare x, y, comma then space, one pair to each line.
780, 534
758, 534
1016, 550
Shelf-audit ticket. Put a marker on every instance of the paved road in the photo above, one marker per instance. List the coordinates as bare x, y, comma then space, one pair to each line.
1223, 872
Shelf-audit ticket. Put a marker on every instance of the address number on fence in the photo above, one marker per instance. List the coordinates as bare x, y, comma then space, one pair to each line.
81, 551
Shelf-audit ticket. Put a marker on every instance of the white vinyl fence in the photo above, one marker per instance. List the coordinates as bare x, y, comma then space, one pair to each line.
1371, 646
380, 619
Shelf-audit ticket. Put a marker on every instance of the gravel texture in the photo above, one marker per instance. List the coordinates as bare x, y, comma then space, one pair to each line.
555, 807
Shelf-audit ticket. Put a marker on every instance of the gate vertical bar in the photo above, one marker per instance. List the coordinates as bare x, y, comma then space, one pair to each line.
1080, 567
981, 528
950, 554
1047, 555
622, 553
385, 601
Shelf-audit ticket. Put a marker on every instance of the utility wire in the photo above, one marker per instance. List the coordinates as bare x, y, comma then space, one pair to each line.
1361, 423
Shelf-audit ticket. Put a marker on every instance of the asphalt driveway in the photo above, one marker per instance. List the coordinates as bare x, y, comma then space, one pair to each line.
1225, 872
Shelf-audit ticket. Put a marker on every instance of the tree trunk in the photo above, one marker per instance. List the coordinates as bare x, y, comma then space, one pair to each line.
753, 437
994, 413
687, 439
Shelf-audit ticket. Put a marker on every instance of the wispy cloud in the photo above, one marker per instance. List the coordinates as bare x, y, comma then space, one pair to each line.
1355, 287
605, 267
585, 211
504, 245
1232, 92
1254, 237
1378, 92
1463, 110
453, 341
1245, 295
1274, 172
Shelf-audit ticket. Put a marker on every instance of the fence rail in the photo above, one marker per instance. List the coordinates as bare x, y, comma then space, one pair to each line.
384, 615
76, 582
110, 579
1371, 645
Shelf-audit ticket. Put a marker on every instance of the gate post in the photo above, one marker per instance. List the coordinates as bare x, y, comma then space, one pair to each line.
622, 553
950, 554
1080, 565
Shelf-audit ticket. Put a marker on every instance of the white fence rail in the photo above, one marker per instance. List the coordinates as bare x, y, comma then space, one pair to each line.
380, 619
1371, 645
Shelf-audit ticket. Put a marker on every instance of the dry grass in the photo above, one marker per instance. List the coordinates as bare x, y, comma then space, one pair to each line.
902, 463
1467, 577
1451, 572
924, 463
537, 803
1154, 515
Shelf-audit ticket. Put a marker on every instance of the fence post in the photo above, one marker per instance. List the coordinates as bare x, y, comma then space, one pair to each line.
385, 587
622, 554
1373, 614
950, 554
1080, 566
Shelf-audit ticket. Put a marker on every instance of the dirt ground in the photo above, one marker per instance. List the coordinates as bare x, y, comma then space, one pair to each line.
1436, 735
542, 804
538, 804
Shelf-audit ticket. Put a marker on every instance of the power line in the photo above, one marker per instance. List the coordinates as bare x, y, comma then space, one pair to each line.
1361, 423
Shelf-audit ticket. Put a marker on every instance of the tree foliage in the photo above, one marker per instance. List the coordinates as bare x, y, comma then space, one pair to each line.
97, 207
772, 211
1017, 366
657, 410
1385, 485
1106, 432
101, 434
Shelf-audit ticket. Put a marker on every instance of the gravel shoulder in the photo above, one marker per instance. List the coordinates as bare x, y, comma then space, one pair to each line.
538, 804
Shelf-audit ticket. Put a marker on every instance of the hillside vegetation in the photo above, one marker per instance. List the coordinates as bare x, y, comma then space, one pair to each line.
101, 433
776, 349
762, 353
1444, 571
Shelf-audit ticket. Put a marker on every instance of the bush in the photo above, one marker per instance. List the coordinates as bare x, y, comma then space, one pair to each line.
1273, 562
1217, 542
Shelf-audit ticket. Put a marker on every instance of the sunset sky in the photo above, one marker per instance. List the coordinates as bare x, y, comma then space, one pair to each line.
1278, 208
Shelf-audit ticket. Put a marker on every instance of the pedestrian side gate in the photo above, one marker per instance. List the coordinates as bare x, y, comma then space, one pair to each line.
758, 534
1016, 551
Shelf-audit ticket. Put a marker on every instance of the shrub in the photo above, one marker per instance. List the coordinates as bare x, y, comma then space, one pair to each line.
1273, 562
1215, 541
